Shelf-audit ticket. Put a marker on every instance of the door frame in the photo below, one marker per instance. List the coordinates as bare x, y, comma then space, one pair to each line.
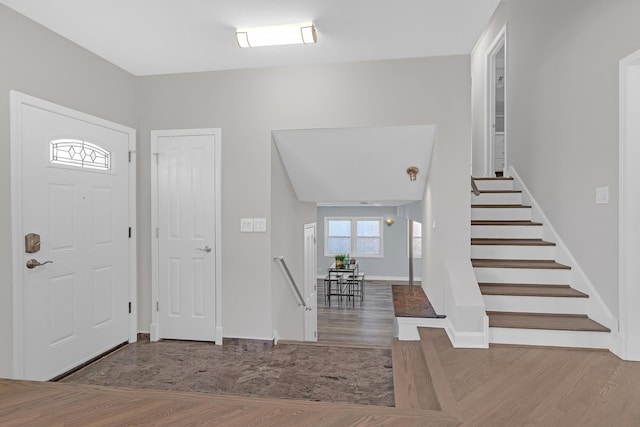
628, 340
17, 99
490, 98
217, 149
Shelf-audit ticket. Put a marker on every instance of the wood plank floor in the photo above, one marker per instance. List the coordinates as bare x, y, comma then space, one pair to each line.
538, 386
499, 386
370, 323
24, 403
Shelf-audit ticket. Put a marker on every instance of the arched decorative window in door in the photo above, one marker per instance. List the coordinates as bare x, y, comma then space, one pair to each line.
82, 154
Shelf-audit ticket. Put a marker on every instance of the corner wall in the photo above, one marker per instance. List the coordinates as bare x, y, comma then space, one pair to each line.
40, 63
563, 117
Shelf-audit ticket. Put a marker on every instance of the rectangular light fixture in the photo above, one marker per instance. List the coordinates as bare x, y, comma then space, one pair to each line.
276, 35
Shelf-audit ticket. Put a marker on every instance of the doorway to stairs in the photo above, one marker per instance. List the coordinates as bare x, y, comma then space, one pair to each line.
496, 111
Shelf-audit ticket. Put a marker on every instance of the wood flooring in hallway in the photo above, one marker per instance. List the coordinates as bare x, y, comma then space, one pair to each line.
369, 323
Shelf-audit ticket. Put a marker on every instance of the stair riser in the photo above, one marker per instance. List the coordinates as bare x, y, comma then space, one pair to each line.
496, 199
545, 337
512, 252
520, 304
506, 231
501, 214
522, 275
499, 184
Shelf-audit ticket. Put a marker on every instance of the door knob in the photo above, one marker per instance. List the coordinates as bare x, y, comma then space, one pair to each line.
205, 249
33, 263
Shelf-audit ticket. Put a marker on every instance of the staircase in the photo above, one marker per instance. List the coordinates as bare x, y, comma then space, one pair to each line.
527, 294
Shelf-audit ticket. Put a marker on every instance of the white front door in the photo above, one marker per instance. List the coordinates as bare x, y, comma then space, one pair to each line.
186, 264
310, 283
75, 196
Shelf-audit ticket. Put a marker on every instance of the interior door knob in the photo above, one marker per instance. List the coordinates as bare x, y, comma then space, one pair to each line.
205, 249
33, 263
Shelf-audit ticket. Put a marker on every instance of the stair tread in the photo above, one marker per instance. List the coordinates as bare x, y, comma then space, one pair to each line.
500, 206
500, 191
494, 178
504, 222
530, 290
510, 242
518, 263
561, 322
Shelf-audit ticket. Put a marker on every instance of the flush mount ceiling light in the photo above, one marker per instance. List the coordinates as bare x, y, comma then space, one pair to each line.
276, 35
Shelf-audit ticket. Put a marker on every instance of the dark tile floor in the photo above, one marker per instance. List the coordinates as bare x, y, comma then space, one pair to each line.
287, 371
411, 301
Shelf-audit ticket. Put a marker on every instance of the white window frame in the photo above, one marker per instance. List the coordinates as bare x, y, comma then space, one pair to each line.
354, 220
410, 239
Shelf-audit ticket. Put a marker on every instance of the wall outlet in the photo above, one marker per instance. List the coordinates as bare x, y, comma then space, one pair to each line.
260, 225
246, 225
602, 195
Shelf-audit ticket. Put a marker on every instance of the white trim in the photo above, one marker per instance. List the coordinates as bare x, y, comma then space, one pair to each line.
628, 340
596, 308
17, 99
489, 95
406, 329
217, 141
353, 236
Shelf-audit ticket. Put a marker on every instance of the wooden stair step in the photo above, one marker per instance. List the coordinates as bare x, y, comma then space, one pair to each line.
500, 191
519, 263
494, 178
530, 290
511, 242
503, 206
412, 385
523, 222
559, 322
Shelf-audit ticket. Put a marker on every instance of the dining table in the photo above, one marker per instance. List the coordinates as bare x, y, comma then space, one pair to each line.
337, 276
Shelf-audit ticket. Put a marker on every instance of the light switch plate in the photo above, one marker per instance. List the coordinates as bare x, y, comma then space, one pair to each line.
602, 195
246, 225
260, 225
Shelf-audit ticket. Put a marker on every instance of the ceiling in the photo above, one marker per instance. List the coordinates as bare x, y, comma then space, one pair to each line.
356, 166
147, 37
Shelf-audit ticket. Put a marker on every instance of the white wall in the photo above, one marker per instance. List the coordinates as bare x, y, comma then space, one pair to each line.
563, 117
249, 104
38, 62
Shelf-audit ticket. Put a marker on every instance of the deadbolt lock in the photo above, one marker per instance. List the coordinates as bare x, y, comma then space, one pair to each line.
31, 243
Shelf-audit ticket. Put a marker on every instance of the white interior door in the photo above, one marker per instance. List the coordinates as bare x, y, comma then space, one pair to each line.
75, 196
186, 237
310, 283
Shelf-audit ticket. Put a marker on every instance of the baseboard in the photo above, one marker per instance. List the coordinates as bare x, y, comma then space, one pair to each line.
406, 329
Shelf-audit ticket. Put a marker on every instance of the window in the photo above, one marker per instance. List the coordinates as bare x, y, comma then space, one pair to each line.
358, 237
416, 240
82, 154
